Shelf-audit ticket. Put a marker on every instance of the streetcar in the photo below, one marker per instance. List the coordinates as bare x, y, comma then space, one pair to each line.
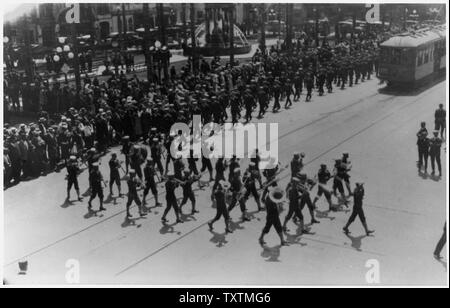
414, 58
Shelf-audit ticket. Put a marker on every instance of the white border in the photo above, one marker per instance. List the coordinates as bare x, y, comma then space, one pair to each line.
9, 3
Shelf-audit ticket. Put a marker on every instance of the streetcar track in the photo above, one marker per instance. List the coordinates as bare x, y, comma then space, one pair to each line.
282, 178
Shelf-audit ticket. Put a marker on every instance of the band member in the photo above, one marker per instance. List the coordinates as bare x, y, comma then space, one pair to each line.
95, 182
73, 169
150, 184
238, 191
435, 152
221, 166
292, 191
250, 177
126, 145
114, 175
233, 165
358, 196
339, 175
297, 164
133, 183
422, 147
178, 167
323, 176
271, 181
305, 185
188, 194
348, 166
156, 153
273, 201
221, 205
171, 199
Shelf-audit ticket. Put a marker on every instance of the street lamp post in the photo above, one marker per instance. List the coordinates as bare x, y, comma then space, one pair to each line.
231, 21
316, 26
193, 42
337, 30
76, 65
146, 43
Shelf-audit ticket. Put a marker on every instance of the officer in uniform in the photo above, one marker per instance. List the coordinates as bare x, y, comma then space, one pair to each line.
435, 152
358, 196
345, 162
133, 183
95, 182
323, 176
150, 184
221, 205
171, 199
114, 176
439, 120
73, 170
273, 201
188, 193
422, 146
297, 164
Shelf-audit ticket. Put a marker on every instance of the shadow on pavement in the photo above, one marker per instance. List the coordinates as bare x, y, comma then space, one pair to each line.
271, 254
356, 241
218, 238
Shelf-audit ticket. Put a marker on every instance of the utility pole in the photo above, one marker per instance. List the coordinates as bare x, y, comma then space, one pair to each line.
193, 43
262, 10
162, 26
289, 11
29, 69
76, 65
231, 19
146, 45
183, 20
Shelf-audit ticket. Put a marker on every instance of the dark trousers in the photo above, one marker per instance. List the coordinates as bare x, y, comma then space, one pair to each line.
234, 201
357, 212
221, 211
294, 209
437, 158
441, 243
272, 220
423, 157
171, 202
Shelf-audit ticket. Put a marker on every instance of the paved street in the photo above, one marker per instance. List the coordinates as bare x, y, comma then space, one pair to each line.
378, 129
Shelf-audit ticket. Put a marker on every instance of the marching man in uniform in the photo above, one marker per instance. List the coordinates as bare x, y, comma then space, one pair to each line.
114, 176
73, 169
323, 176
133, 183
171, 199
358, 196
273, 201
95, 181
435, 152
221, 206
150, 184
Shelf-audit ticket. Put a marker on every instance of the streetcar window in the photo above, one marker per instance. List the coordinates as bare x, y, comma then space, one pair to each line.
420, 58
425, 58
